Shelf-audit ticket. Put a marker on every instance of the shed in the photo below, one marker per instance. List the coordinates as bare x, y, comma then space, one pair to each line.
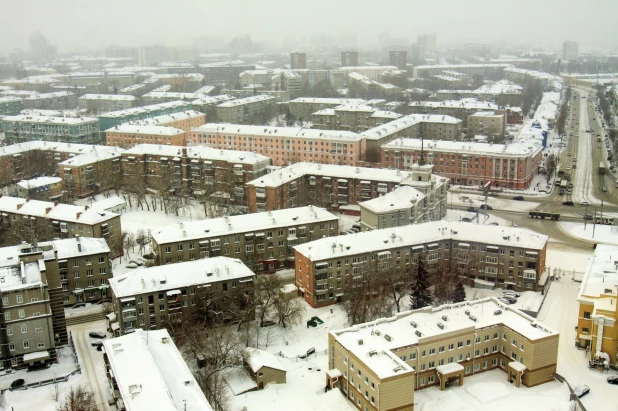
264, 367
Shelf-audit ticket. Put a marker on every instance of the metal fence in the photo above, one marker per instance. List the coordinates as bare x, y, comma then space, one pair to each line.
578, 404
304, 357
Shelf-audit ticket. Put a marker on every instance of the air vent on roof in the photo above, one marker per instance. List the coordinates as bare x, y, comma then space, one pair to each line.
467, 312
534, 324
397, 369
360, 342
444, 318
473, 318
388, 337
441, 326
372, 353
377, 332
413, 324
208, 274
497, 312
418, 333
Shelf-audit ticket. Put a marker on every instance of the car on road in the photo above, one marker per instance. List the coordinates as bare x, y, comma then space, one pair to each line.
568, 203
97, 344
604, 189
518, 198
581, 390
493, 223
612, 379
568, 168
585, 203
570, 154
96, 334
587, 216
17, 383
78, 305
486, 207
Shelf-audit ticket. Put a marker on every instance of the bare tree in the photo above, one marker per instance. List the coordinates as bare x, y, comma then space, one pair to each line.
444, 284
267, 289
396, 284
289, 309
55, 390
78, 399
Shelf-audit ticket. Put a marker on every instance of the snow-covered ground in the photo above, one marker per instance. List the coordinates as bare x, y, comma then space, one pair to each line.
65, 365
528, 300
475, 200
606, 234
457, 215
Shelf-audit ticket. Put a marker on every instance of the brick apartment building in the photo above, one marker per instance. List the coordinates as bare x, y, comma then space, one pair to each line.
262, 241
485, 256
90, 173
510, 166
129, 135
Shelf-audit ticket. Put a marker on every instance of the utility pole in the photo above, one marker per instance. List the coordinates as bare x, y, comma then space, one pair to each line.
594, 223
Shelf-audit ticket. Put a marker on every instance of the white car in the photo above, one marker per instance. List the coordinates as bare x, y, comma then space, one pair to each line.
585, 203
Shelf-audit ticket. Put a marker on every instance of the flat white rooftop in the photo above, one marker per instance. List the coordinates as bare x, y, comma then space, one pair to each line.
129, 128
403, 197
180, 275
424, 233
247, 100
402, 123
197, 153
463, 103
325, 100
111, 97
56, 121
257, 222
601, 274
39, 182
146, 109
277, 132
73, 247
517, 148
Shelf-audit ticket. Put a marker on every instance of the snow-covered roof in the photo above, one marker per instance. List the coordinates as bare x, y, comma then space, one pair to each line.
212, 99
256, 359
183, 76
386, 114
402, 123
70, 148
91, 158
180, 275
269, 131
151, 374
601, 274
146, 109
199, 152
294, 171
362, 68
532, 73
61, 212
43, 96
9, 98
327, 100
402, 333
107, 203
114, 97
216, 227
516, 148
168, 94
15, 274
56, 121
246, 100
462, 66
424, 233
402, 197
39, 182
145, 129
463, 103
132, 87
79, 246
486, 113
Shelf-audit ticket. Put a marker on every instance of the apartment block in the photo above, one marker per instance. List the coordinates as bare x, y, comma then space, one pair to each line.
262, 241
90, 173
198, 171
285, 145
39, 188
304, 107
249, 109
103, 80
438, 127
493, 70
104, 103
487, 123
313, 78
398, 58
154, 354
208, 105
503, 93
371, 72
60, 100
184, 120
150, 298
570, 51
298, 60
456, 108
332, 186
404, 205
128, 135
115, 118
159, 97
485, 256
79, 130
379, 365
597, 298
34, 221
507, 166
364, 86
10, 106
349, 58
522, 76
351, 117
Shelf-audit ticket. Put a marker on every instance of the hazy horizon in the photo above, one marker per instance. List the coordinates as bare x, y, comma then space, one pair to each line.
80, 26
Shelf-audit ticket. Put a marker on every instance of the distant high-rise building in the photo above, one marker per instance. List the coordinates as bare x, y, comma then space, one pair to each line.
570, 50
42, 50
298, 60
349, 58
398, 58
152, 55
427, 43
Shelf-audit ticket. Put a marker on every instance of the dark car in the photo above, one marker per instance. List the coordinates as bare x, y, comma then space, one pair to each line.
97, 344
613, 379
509, 298
486, 207
472, 209
17, 383
518, 198
96, 334
78, 305
588, 217
568, 203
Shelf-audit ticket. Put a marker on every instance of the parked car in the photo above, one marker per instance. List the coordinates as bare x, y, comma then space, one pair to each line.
613, 379
604, 189
510, 299
504, 301
588, 217
568, 203
131, 265
518, 198
581, 390
17, 383
511, 292
78, 305
486, 207
494, 223
585, 203
97, 344
96, 334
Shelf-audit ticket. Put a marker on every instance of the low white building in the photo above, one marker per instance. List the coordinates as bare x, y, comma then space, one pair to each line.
112, 204
403, 206
146, 372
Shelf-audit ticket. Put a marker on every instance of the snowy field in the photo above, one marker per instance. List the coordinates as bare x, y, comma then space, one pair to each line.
606, 234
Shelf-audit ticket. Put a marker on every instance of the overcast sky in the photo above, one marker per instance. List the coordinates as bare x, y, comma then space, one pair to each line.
89, 24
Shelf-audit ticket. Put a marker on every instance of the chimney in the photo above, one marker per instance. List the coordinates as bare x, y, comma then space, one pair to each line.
47, 210
86, 208
27, 199
77, 215
79, 247
19, 206
55, 203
